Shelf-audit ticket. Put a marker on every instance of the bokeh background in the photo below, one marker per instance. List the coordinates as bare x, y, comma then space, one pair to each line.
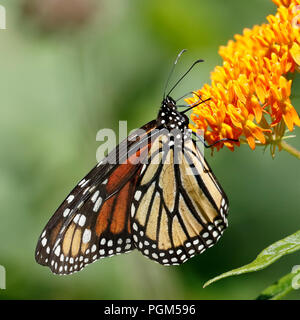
69, 68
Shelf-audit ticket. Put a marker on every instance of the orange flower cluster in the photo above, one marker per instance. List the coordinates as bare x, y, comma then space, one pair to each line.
250, 93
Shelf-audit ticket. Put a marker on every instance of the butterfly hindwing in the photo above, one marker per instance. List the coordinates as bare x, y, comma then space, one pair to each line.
179, 208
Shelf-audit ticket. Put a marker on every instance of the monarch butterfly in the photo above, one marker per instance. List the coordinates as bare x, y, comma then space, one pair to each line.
168, 210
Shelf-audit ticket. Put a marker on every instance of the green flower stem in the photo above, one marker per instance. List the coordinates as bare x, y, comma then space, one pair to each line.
293, 151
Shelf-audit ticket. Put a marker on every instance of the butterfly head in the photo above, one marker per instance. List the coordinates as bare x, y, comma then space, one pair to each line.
169, 117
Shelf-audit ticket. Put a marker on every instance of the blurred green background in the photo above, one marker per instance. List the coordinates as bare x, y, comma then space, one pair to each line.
70, 68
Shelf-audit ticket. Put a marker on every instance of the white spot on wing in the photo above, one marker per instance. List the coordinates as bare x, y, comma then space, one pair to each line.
97, 204
44, 242
154, 255
66, 212
95, 196
84, 183
137, 195
132, 210
76, 218
82, 220
86, 237
57, 251
81, 182
110, 243
70, 198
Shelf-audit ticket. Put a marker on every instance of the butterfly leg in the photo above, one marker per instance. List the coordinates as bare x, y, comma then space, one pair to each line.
201, 139
221, 140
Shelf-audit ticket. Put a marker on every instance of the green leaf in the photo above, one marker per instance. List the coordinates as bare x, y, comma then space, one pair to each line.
281, 287
268, 256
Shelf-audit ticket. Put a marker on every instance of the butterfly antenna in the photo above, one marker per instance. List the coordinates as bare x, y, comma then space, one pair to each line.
172, 70
185, 95
195, 104
190, 68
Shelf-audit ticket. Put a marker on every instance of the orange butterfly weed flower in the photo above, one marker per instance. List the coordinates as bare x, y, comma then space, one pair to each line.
250, 93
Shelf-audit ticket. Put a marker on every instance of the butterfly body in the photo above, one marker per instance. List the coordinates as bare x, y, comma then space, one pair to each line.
161, 198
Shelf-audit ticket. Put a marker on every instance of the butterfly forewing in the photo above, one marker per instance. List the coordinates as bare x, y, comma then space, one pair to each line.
93, 221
